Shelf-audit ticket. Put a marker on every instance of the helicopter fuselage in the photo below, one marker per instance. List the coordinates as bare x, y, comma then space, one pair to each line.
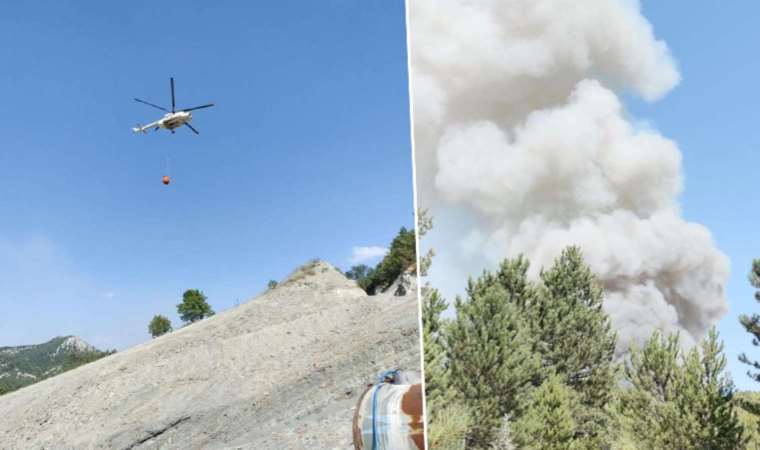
170, 121
174, 120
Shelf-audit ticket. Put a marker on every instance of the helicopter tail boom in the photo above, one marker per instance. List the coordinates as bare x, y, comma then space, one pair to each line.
144, 128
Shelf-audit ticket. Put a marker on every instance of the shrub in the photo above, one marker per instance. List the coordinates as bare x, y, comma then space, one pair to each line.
159, 325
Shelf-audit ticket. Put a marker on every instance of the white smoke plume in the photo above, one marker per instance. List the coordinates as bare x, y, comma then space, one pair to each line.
522, 146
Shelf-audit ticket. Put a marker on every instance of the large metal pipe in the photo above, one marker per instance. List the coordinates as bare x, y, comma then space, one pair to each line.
389, 417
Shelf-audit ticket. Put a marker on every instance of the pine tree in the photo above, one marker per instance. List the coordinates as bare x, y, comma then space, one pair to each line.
706, 396
449, 419
681, 401
513, 279
437, 391
512, 276
752, 323
650, 404
491, 363
424, 225
573, 335
449, 427
548, 423
401, 255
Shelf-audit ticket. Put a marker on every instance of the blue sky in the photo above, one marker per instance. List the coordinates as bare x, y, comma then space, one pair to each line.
307, 154
713, 116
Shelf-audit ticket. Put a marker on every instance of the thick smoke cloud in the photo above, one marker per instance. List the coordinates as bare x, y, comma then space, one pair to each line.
522, 146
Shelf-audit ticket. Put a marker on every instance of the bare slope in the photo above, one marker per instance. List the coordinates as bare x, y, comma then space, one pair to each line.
281, 371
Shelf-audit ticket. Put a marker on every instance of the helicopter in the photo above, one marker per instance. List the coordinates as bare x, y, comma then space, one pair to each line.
172, 119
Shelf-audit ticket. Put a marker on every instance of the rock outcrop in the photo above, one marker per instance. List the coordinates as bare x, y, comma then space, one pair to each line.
281, 371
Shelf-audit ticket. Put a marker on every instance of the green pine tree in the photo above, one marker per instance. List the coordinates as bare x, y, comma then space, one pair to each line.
649, 406
449, 420
437, 390
548, 422
680, 401
752, 323
513, 277
491, 362
706, 396
402, 254
574, 337
424, 225
449, 426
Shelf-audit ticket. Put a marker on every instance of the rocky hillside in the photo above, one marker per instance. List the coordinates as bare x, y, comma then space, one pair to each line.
283, 370
27, 364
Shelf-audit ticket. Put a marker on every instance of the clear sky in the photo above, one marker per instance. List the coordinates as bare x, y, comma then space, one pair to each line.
713, 116
307, 154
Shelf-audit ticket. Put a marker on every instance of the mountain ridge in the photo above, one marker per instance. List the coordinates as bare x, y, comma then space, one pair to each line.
23, 365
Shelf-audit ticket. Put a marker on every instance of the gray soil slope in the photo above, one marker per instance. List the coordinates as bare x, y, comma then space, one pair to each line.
281, 371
